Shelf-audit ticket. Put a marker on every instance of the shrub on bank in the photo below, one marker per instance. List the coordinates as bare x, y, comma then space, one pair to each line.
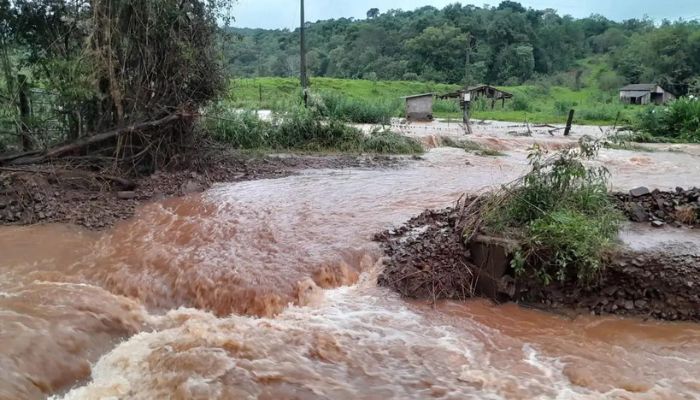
679, 120
560, 213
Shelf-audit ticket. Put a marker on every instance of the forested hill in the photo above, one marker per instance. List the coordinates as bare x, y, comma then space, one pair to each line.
508, 44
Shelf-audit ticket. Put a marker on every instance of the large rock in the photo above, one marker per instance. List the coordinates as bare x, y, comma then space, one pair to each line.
637, 213
640, 191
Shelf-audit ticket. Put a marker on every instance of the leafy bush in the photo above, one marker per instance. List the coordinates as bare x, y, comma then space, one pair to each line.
521, 103
563, 107
241, 129
680, 120
561, 213
571, 242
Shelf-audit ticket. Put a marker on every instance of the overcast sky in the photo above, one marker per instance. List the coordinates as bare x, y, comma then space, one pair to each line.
285, 13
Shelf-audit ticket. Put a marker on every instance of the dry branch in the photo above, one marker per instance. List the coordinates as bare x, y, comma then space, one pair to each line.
90, 140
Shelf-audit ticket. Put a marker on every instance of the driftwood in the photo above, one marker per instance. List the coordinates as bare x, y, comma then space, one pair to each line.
56, 152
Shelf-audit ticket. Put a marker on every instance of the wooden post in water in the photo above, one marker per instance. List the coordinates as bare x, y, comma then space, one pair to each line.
25, 112
466, 109
569, 122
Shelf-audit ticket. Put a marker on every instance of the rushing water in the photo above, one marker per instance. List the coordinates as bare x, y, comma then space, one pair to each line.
266, 289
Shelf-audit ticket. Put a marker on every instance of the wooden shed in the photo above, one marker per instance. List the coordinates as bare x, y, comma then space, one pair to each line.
419, 107
473, 93
645, 93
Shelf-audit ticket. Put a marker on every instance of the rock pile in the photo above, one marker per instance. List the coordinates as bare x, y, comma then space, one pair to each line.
658, 285
678, 208
427, 258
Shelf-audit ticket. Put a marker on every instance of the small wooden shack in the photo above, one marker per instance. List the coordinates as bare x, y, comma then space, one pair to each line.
419, 107
645, 93
473, 93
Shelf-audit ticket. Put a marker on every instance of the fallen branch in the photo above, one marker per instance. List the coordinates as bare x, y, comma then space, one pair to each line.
90, 140
12, 157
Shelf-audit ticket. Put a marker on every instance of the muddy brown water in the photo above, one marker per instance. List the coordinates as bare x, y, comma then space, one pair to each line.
266, 289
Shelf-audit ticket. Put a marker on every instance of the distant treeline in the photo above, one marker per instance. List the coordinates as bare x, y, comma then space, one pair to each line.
508, 44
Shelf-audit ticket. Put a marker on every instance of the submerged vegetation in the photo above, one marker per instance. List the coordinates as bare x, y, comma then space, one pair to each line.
470, 147
560, 213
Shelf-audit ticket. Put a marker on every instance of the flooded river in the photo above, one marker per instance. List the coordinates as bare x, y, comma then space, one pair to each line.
266, 290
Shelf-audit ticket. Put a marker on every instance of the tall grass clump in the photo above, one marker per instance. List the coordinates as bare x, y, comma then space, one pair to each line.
679, 121
560, 213
300, 129
520, 103
601, 112
338, 106
446, 106
242, 129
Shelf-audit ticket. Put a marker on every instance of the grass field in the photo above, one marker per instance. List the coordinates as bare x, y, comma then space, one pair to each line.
535, 104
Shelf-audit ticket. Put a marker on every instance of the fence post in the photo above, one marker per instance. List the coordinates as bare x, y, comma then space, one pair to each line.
569, 122
25, 112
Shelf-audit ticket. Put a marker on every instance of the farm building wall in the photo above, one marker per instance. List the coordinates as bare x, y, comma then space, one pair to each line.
419, 108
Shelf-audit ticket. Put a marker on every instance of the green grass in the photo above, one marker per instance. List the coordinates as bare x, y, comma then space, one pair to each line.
300, 129
245, 93
537, 103
542, 105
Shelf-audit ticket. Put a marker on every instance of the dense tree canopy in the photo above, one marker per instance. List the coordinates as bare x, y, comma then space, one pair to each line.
504, 44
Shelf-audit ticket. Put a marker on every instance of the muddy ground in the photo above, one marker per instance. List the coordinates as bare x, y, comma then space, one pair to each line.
56, 194
427, 259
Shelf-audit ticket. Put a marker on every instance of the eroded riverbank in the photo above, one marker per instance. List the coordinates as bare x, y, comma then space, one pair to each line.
52, 194
157, 306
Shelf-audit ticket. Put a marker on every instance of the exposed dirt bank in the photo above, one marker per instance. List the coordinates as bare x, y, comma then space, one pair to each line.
426, 259
52, 194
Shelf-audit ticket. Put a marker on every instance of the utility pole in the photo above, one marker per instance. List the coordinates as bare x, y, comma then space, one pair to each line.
302, 67
468, 62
